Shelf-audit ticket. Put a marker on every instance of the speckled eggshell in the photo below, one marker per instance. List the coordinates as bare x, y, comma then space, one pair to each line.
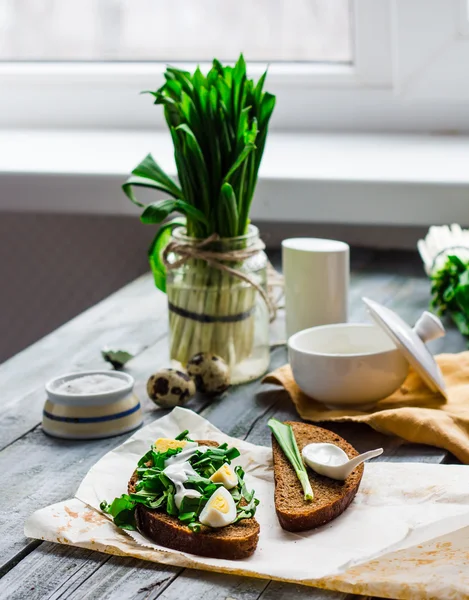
210, 373
169, 387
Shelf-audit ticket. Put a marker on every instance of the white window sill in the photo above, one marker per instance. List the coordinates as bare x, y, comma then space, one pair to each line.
327, 178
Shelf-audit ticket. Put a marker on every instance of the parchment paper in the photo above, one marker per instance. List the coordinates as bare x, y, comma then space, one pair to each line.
398, 506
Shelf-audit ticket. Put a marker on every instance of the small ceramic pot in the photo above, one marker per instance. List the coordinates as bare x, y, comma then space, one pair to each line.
346, 364
93, 415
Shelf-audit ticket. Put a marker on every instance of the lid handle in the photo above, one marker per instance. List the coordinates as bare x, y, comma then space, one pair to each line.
429, 327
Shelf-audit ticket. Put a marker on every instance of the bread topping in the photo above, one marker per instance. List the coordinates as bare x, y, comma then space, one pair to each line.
178, 469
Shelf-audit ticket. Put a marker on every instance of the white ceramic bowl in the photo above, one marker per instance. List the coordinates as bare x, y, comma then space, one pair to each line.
93, 415
349, 364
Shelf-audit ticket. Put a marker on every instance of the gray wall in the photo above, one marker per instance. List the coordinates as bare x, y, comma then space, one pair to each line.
53, 267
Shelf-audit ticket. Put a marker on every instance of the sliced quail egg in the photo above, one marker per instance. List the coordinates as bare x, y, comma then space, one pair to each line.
164, 444
226, 476
220, 509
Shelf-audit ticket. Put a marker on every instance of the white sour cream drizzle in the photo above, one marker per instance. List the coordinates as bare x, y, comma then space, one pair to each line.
178, 469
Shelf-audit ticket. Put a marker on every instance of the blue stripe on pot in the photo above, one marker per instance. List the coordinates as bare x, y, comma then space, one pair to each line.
112, 417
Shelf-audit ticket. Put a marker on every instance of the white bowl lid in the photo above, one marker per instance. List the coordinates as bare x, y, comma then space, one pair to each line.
412, 341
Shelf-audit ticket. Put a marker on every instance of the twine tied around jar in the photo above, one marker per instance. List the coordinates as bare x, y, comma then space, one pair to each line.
216, 260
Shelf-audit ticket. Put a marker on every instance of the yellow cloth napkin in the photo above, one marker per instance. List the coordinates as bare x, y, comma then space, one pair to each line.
413, 413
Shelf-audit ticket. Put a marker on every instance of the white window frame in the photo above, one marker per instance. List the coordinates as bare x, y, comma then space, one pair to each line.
410, 61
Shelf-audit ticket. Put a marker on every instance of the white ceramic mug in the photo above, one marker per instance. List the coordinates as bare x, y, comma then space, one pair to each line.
316, 275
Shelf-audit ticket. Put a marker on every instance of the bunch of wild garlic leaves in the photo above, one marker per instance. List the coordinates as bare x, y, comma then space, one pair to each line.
218, 124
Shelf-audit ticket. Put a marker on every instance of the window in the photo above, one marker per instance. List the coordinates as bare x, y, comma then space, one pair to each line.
366, 65
177, 30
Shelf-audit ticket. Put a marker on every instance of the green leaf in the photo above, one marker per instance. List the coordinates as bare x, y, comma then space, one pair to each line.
462, 322
198, 165
149, 174
286, 439
462, 297
240, 159
189, 504
227, 212
239, 78
159, 502
122, 510
117, 358
174, 88
259, 87
184, 78
245, 493
266, 109
171, 507
218, 67
133, 181
198, 81
457, 262
160, 241
187, 517
464, 278
156, 212
232, 453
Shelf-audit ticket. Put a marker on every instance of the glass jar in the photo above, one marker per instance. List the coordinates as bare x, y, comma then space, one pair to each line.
211, 310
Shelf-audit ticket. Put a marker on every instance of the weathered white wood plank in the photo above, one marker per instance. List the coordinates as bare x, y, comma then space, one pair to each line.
212, 586
84, 574
243, 412
134, 317
277, 590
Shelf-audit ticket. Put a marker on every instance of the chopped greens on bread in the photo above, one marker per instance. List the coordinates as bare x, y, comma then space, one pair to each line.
193, 482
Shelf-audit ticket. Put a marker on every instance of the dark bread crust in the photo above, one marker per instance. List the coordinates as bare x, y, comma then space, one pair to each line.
331, 497
233, 542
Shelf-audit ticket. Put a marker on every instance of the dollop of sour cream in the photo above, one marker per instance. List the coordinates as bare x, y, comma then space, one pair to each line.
324, 454
178, 469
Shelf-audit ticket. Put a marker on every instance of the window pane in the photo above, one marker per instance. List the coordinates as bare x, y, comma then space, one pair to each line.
172, 30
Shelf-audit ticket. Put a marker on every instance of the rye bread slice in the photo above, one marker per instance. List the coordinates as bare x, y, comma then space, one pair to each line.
233, 542
331, 497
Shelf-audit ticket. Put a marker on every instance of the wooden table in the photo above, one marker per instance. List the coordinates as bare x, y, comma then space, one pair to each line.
38, 470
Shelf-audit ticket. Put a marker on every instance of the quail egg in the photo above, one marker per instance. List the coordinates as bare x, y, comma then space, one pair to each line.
220, 509
168, 388
226, 476
210, 373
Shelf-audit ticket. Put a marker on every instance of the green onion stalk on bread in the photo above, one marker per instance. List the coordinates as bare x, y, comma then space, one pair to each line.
285, 437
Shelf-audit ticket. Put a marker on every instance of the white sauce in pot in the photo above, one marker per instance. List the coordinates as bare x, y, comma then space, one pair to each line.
91, 384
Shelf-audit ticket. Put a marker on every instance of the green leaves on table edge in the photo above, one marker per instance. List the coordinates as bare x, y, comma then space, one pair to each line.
450, 292
117, 358
286, 438
219, 125
155, 491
